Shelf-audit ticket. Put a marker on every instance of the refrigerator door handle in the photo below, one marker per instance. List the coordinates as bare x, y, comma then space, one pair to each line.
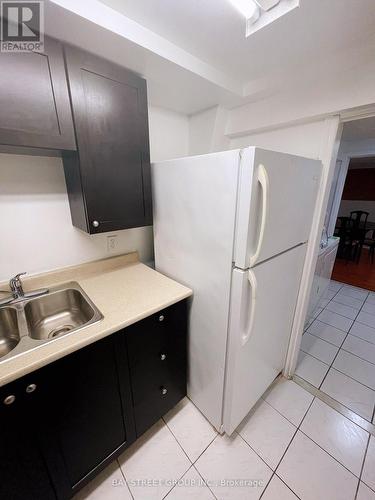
264, 184
253, 284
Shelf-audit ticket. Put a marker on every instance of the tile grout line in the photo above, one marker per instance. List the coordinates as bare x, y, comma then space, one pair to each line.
123, 475
286, 418
340, 349
178, 442
324, 340
261, 458
258, 455
351, 378
317, 444
356, 355
291, 441
363, 464
299, 428
192, 462
316, 317
337, 406
294, 493
312, 355
339, 314
360, 338
328, 453
334, 359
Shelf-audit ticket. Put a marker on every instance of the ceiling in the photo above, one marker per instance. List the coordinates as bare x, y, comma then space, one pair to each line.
358, 130
214, 31
194, 53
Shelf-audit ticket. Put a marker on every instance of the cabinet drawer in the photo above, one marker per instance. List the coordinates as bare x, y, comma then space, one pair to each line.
153, 404
161, 333
157, 363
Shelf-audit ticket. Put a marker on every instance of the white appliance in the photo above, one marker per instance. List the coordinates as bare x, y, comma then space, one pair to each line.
233, 226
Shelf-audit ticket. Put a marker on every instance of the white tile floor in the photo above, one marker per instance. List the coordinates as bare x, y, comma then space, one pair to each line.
338, 348
291, 446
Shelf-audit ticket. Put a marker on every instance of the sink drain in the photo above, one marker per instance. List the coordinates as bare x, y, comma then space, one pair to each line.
60, 330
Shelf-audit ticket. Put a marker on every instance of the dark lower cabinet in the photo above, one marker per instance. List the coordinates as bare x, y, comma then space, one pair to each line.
90, 413
23, 471
157, 364
65, 422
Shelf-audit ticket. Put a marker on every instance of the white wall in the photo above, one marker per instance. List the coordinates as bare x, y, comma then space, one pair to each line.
201, 130
347, 206
306, 139
322, 94
207, 131
169, 134
36, 230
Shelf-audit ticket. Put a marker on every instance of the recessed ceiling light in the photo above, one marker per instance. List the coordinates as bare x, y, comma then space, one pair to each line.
248, 8
267, 4
260, 13
274, 12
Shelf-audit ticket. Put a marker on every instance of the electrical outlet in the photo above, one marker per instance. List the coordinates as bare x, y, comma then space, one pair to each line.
112, 243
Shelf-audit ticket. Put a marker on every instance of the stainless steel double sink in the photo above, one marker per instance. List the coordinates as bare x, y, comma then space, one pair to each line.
31, 322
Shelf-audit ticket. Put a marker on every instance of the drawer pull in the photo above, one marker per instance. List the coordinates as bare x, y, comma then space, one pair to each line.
164, 391
161, 317
30, 388
163, 357
9, 400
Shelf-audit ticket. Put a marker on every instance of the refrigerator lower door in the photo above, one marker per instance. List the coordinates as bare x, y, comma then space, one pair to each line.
276, 201
263, 301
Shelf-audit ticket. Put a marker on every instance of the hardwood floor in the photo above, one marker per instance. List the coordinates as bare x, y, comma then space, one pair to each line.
361, 274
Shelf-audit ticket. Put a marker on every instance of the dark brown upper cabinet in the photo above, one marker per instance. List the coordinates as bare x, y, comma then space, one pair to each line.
34, 101
109, 178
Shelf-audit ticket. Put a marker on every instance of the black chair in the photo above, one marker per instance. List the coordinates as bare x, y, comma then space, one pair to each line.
348, 245
359, 218
370, 243
358, 232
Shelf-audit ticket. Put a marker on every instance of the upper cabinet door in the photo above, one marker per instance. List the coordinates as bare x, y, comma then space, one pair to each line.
112, 172
34, 100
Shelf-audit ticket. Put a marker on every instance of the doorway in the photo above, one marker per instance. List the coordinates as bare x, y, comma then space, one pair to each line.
337, 355
355, 226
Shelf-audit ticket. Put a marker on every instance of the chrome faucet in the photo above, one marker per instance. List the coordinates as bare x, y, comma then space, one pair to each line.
18, 294
15, 286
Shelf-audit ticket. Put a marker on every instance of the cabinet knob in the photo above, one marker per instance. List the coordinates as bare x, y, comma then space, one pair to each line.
95, 223
9, 399
164, 391
30, 388
161, 317
163, 357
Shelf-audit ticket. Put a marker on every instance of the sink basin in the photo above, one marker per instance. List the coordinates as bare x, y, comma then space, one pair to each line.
59, 313
9, 332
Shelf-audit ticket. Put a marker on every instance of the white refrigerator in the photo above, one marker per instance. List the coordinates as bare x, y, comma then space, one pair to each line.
233, 226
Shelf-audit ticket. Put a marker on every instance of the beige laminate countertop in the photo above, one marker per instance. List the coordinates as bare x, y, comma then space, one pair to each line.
123, 289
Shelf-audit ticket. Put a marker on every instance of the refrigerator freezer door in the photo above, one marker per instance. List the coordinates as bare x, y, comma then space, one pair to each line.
263, 301
277, 194
194, 220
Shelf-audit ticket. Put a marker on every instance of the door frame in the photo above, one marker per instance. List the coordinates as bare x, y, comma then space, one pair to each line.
345, 161
328, 156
